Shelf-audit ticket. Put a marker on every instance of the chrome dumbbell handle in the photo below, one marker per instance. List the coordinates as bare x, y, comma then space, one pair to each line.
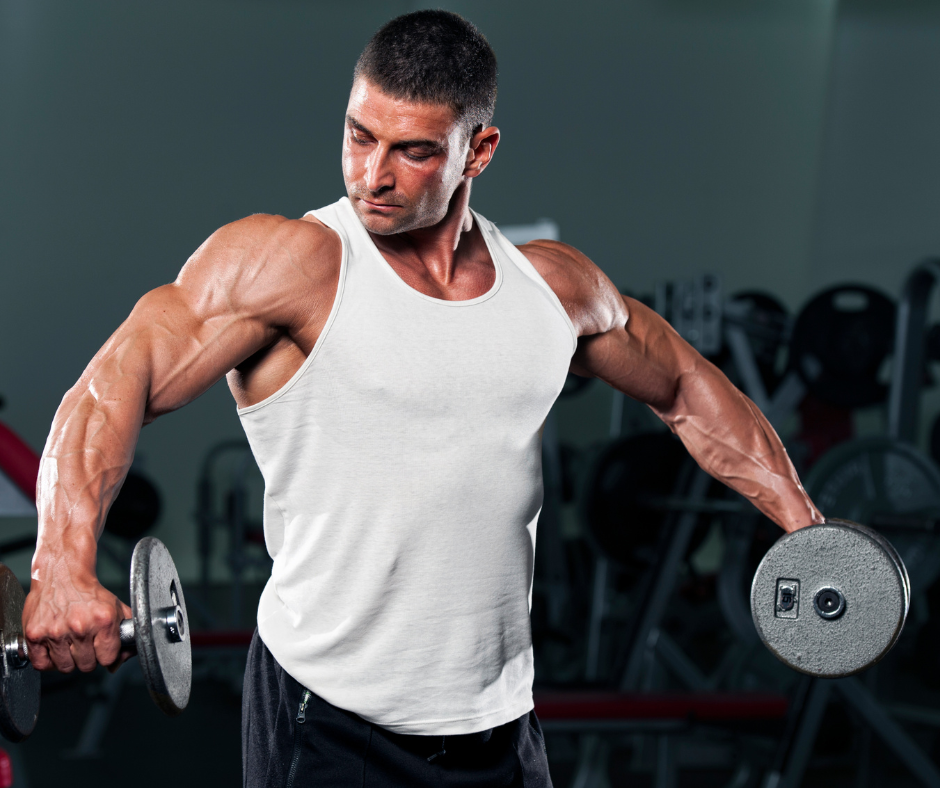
17, 652
170, 617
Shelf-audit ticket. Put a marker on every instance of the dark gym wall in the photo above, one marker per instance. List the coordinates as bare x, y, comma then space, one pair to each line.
665, 138
878, 199
879, 194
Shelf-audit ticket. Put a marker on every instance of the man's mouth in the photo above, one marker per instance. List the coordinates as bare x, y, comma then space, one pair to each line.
379, 206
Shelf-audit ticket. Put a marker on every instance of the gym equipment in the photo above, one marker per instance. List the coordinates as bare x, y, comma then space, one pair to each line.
748, 329
891, 486
764, 323
19, 689
915, 344
934, 441
657, 657
840, 340
159, 630
830, 600
19, 468
796, 745
540, 229
650, 656
214, 653
694, 308
618, 501
158, 633
229, 494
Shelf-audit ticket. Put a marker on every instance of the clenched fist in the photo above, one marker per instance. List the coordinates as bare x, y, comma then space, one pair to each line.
71, 621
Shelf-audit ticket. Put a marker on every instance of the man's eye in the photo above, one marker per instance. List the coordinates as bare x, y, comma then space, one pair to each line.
418, 156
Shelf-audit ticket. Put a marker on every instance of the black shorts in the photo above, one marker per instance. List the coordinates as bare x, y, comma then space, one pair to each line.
333, 748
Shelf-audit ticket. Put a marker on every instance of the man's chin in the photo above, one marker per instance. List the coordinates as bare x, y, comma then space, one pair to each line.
382, 225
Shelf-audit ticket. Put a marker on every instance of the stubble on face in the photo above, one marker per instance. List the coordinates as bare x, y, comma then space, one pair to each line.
408, 216
417, 194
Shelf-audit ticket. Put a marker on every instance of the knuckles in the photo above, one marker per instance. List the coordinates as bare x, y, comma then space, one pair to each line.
79, 634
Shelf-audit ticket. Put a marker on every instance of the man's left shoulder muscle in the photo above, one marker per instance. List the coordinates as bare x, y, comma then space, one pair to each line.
589, 297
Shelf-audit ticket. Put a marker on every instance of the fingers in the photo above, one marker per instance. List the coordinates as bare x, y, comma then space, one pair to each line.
52, 650
124, 653
81, 636
75, 649
38, 654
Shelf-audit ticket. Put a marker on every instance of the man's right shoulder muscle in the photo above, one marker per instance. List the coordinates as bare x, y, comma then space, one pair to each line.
276, 279
265, 268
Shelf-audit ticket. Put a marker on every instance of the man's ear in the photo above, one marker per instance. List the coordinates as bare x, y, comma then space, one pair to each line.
482, 147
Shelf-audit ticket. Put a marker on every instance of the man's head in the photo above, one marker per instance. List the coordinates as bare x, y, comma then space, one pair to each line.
417, 125
434, 57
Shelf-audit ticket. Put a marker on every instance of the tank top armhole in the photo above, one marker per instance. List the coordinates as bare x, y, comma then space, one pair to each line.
524, 265
340, 286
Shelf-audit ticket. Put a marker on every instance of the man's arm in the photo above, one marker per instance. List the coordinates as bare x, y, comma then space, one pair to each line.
236, 296
629, 346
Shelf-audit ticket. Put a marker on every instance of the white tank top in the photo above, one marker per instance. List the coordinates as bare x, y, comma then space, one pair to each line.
403, 482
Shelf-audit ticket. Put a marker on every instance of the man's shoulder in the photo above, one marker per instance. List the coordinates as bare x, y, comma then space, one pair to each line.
589, 297
554, 258
274, 246
265, 232
264, 259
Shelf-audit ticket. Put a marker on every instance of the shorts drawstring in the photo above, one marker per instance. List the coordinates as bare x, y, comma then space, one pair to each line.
442, 751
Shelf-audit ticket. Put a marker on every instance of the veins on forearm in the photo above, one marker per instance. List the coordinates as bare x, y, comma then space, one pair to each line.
90, 447
729, 437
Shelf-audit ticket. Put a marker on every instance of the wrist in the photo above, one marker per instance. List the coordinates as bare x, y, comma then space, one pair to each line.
73, 553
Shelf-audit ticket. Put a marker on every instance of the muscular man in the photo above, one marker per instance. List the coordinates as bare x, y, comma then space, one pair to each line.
393, 359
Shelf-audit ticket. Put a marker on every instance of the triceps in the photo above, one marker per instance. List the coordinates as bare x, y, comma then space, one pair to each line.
642, 366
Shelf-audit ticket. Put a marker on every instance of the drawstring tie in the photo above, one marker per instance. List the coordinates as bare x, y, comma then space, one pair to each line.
442, 751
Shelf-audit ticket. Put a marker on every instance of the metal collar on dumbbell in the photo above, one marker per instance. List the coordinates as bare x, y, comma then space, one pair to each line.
19, 683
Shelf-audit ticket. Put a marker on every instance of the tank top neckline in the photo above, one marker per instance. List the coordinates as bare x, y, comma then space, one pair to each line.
380, 258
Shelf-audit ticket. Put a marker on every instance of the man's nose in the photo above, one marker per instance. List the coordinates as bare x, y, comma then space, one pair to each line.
379, 176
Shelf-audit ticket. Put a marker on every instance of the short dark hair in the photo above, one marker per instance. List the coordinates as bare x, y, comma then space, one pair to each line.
434, 57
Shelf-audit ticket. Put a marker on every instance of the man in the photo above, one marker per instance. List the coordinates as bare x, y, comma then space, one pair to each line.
393, 359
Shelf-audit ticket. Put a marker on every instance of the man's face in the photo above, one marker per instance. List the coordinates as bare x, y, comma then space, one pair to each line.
402, 161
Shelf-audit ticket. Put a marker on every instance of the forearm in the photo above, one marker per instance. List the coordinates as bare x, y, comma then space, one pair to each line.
87, 454
732, 440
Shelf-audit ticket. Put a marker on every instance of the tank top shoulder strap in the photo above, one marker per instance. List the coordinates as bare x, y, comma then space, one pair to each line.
511, 254
332, 216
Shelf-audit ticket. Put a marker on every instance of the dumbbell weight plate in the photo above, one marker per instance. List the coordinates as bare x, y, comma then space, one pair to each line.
892, 552
839, 342
837, 555
167, 664
19, 689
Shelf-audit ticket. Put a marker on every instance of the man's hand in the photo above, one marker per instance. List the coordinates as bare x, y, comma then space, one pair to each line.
72, 621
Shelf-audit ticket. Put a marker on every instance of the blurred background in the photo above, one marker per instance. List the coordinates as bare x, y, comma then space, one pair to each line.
765, 174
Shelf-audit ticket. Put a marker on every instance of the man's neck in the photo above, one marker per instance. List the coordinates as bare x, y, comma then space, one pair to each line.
438, 248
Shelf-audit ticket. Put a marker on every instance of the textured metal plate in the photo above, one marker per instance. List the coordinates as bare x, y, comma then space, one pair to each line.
844, 557
889, 549
19, 687
876, 479
155, 587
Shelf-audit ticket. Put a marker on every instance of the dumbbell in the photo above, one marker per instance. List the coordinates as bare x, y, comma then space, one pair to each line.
831, 600
158, 634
